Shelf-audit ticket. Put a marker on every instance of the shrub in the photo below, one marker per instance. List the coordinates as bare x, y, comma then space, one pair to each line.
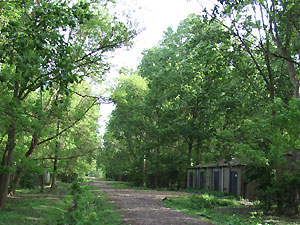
197, 202
209, 201
89, 209
29, 180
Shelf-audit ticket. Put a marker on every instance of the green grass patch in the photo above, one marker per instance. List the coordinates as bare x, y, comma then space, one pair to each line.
203, 201
93, 207
223, 211
127, 185
29, 207
210, 192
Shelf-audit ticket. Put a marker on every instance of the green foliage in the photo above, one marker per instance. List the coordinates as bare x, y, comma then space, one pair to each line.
75, 187
6, 169
92, 207
219, 86
223, 211
268, 145
209, 192
197, 202
29, 180
48, 48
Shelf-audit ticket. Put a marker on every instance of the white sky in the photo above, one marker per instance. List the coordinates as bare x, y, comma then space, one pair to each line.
154, 16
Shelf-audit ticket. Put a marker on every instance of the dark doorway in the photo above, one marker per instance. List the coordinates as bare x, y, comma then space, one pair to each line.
233, 182
202, 180
191, 176
216, 181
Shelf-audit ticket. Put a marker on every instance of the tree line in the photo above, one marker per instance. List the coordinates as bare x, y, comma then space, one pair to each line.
50, 54
223, 85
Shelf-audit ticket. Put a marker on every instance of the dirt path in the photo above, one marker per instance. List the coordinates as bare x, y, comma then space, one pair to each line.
143, 207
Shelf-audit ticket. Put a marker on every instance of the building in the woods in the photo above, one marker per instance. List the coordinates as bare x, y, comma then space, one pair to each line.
221, 176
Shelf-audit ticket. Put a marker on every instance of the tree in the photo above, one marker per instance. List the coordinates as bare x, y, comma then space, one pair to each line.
190, 78
267, 31
128, 121
46, 45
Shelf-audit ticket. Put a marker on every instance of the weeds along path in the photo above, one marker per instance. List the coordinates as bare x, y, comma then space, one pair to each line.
143, 207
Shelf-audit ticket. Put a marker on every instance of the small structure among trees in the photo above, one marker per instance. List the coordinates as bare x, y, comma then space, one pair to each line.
222, 176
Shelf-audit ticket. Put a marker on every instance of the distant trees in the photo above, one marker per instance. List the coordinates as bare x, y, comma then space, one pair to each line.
222, 85
188, 79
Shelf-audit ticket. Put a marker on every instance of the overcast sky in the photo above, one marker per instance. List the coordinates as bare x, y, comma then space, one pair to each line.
153, 18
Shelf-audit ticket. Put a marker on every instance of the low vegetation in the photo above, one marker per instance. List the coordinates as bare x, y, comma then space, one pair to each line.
68, 204
29, 206
224, 84
217, 207
91, 207
224, 210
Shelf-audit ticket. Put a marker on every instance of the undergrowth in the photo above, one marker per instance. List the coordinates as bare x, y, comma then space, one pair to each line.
203, 201
91, 207
223, 211
69, 204
29, 206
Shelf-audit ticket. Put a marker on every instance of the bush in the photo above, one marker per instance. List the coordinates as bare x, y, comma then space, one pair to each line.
29, 180
281, 195
197, 202
209, 201
89, 208
75, 188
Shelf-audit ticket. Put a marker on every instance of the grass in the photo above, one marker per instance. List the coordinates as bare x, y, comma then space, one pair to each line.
127, 185
210, 192
207, 207
93, 208
224, 211
30, 207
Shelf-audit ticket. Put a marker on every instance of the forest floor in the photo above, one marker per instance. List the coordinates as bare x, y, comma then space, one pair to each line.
144, 207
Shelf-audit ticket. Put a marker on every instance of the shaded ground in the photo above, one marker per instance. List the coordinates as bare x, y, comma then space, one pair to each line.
144, 207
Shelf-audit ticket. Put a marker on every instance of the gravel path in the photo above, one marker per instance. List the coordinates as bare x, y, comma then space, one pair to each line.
143, 207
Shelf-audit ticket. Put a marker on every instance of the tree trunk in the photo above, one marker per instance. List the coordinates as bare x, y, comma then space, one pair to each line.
15, 181
189, 160
42, 182
190, 146
54, 174
4, 179
19, 171
198, 150
294, 193
144, 171
6, 163
156, 168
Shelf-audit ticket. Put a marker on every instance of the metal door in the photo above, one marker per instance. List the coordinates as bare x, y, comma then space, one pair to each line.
202, 180
191, 176
233, 182
216, 181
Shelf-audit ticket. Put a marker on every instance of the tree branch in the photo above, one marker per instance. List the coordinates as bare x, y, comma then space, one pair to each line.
70, 157
67, 128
